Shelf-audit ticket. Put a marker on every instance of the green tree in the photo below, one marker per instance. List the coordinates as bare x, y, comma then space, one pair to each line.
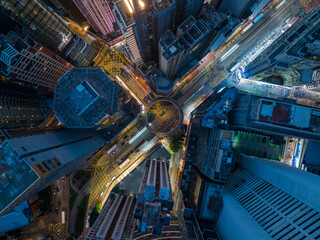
176, 142
95, 213
45, 204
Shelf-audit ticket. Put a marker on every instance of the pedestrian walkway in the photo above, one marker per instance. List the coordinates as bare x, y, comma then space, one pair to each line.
59, 231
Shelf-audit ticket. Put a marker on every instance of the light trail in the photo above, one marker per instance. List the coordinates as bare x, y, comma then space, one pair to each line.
227, 54
137, 135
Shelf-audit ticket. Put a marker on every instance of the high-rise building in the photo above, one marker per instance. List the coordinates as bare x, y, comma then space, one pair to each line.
29, 164
293, 56
209, 145
9, 133
276, 117
175, 53
265, 199
187, 8
116, 219
144, 30
28, 61
80, 52
43, 24
124, 14
171, 52
154, 198
19, 106
85, 98
163, 13
238, 8
98, 13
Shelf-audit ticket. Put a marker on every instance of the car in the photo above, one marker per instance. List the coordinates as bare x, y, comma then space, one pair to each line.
57, 188
59, 202
122, 143
138, 151
62, 179
54, 192
56, 211
125, 137
113, 178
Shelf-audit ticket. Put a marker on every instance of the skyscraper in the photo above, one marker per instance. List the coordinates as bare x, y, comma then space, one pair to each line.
266, 199
45, 27
238, 8
171, 53
154, 198
116, 219
124, 14
163, 12
144, 30
187, 8
176, 52
29, 164
85, 97
98, 14
19, 106
28, 61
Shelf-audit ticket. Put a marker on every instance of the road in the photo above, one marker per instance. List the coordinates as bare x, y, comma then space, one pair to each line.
210, 74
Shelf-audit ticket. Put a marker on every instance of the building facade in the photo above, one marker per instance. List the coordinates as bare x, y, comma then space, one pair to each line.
116, 220
29, 62
44, 26
98, 13
32, 163
266, 199
19, 106
187, 8
239, 8
124, 15
154, 200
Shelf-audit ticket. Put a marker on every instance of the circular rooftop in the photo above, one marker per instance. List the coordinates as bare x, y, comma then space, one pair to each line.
163, 116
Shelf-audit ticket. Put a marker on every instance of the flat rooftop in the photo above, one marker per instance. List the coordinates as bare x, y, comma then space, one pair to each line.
16, 176
81, 97
285, 114
161, 5
84, 97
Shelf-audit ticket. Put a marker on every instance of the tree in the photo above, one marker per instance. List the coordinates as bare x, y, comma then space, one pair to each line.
45, 204
176, 142
94, 214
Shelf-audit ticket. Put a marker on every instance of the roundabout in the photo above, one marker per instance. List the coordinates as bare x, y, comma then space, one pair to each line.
163, 116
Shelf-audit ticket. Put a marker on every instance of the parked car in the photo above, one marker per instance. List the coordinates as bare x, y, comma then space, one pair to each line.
59, 202
57, 188
56, 211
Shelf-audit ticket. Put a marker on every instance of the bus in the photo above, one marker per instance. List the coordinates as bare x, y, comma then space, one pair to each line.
63, 217
258, 18
279, 5
246, 28
111, 149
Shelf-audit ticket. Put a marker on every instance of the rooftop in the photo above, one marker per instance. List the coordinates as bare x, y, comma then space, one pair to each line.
286, 114
17, 177
161, 5
162, 84
84, 97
